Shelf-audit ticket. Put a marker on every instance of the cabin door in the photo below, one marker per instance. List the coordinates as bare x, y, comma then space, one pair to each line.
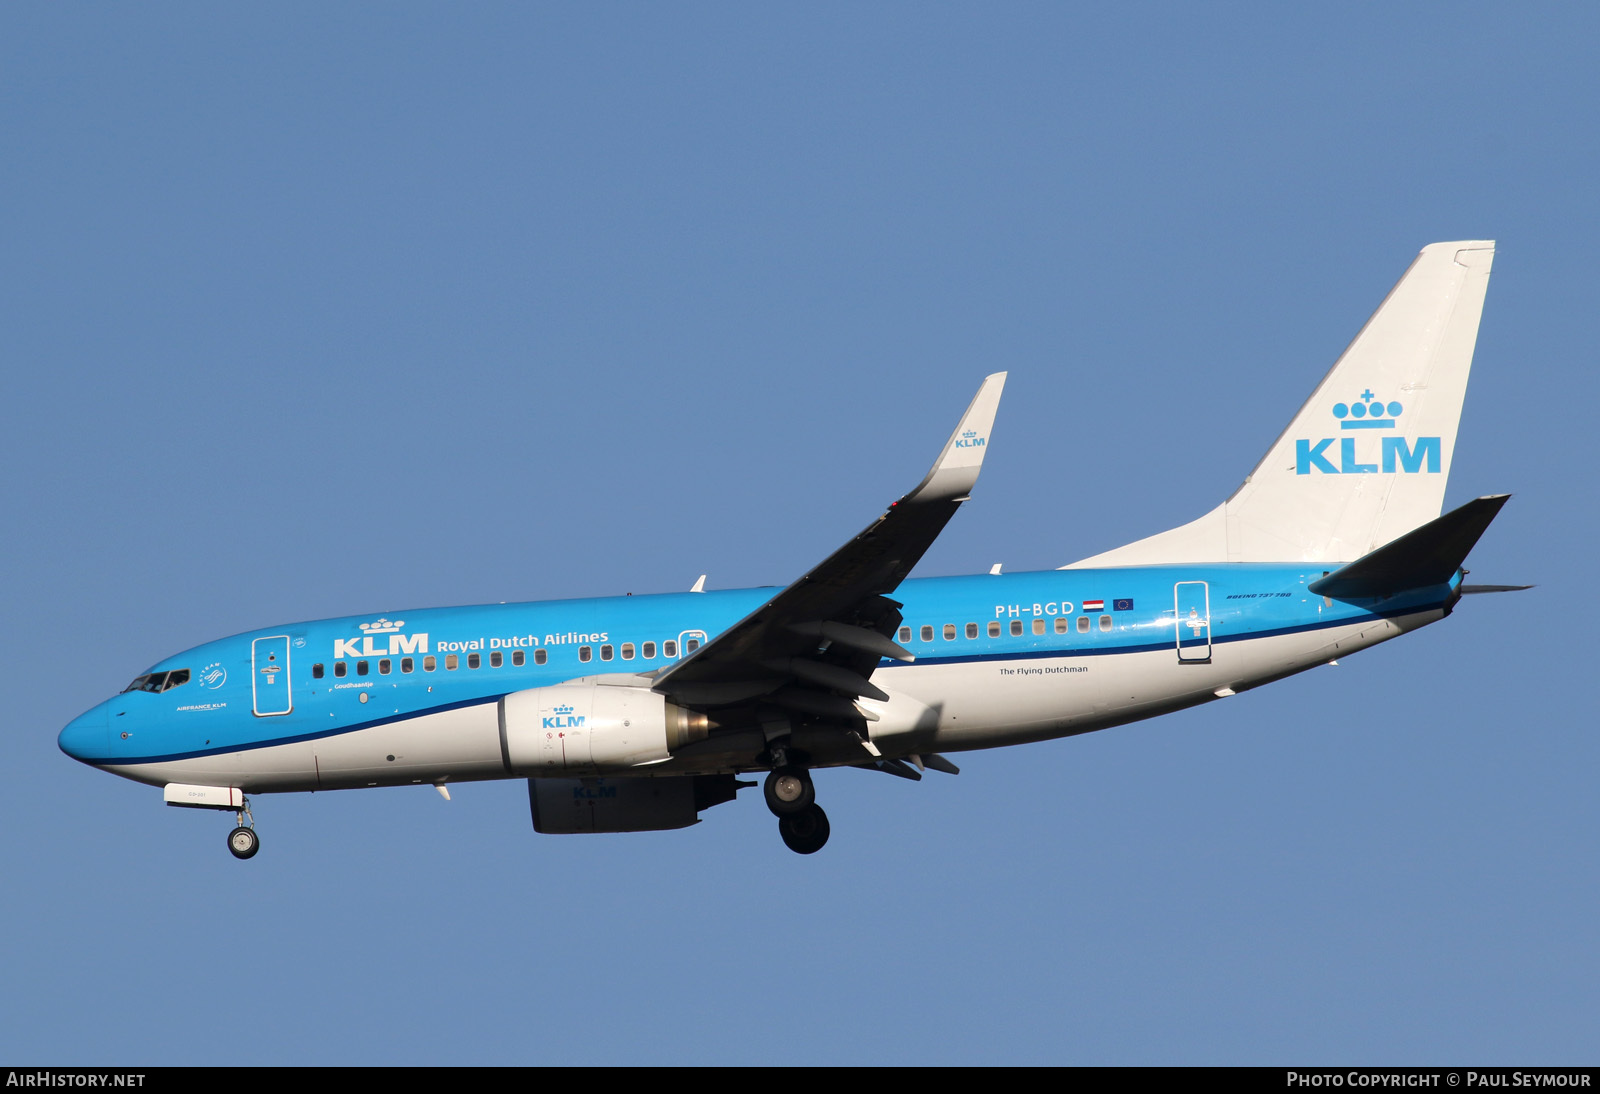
1193, 602
269, 676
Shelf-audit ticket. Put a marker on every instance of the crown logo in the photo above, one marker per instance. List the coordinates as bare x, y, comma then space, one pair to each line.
1367, 414
970, 433
564, 708
382, 626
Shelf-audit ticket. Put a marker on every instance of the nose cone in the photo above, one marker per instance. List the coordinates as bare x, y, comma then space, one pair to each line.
87, 737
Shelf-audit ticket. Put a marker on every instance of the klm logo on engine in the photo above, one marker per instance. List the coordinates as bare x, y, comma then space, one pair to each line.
969, 439
563, 718
394, 645
1356, 454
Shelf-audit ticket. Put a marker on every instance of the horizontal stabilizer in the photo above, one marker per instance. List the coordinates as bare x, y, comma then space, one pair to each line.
1468, 590
1429, 555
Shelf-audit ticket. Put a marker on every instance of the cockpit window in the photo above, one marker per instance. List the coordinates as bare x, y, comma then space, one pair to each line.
159, 681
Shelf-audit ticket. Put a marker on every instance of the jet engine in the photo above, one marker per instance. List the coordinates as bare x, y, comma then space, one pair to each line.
586, 728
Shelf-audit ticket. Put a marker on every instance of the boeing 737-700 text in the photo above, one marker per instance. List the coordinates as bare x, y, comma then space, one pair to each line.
637, 713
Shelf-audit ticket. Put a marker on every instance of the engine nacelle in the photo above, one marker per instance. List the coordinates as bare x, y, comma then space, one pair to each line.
590, 728
563, 806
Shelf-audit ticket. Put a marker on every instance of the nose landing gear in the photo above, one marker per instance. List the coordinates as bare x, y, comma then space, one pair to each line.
242, 841
792, 798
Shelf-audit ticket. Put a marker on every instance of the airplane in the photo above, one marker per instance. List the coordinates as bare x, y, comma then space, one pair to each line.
638, 713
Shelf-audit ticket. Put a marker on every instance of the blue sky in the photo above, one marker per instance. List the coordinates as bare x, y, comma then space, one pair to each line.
310, 311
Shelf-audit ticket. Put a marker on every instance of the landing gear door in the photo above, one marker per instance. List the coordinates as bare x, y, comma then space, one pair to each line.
269, 676
1193, 602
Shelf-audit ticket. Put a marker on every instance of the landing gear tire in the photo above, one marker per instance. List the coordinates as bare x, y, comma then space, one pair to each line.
243, 843
789, 791
805, 833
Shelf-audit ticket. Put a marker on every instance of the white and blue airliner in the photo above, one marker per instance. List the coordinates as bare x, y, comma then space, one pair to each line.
637, 713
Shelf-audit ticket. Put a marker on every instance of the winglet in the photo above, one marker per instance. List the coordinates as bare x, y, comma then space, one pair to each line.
699, 584
955, 472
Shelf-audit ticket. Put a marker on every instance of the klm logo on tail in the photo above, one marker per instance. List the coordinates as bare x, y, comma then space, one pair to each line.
970, 439
1394, 454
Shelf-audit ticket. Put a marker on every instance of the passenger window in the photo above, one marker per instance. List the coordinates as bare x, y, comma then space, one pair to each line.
972, 630
429, 664
649, 651
451, 662
1105, 622
1016, 628
1038, 626
949, 632
540, 656
518, 658
905, 635
627, 651
384, 666
927, 634
361, 668
694, 644
1083, 624
994, 628
406, 664
584, 653
496, 659
340, 668
1061, 624
606, 653
669, 648
474, 660
316, 672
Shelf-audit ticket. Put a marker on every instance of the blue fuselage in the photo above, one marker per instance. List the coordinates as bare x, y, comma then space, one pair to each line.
318, 680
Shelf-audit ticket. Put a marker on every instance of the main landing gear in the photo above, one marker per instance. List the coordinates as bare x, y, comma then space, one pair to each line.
242, 841
793, 800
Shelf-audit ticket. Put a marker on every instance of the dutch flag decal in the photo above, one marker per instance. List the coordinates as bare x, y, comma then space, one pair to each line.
1094, 605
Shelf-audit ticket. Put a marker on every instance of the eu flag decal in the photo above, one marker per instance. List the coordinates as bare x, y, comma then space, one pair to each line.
1122, 605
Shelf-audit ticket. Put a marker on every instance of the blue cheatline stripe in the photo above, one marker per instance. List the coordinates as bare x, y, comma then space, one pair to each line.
484, 700
976, 658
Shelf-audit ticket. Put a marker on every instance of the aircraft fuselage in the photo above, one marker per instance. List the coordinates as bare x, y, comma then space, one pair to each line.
415, 696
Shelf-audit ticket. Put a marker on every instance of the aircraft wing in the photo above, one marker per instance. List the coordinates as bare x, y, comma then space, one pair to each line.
812, 647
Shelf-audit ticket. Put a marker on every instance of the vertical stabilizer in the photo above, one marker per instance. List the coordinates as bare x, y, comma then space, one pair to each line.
1367, 457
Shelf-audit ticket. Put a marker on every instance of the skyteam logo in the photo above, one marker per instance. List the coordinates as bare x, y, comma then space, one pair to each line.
1395, 454
563, 718
396, 644
969, 439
